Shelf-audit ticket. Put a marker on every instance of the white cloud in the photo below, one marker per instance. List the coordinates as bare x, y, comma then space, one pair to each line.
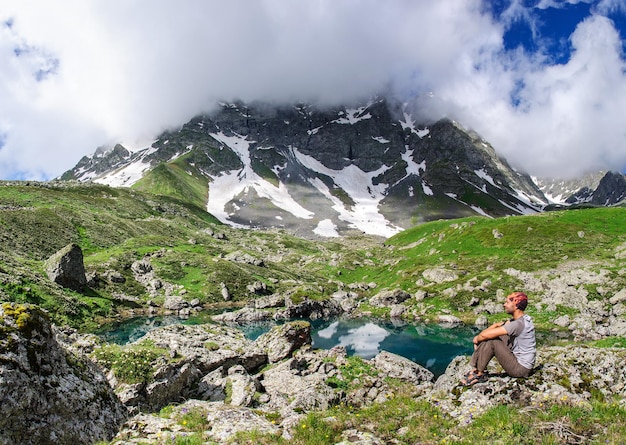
569, 117
122, 70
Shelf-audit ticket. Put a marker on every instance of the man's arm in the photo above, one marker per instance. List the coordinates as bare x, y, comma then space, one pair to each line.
493, 331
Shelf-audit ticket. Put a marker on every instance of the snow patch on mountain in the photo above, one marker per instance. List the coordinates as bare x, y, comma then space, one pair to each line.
358, 185
326, 228
412, 166
226, 186
381, 139
353, 115
481, 173
409, 123
426, 189
128, 174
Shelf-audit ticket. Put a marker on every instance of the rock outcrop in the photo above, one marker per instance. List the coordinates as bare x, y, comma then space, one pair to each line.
48, 394
66, 268
572, 375
281, 341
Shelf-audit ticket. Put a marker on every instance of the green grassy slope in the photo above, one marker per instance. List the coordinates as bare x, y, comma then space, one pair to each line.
178, 179
116, 227
478, 249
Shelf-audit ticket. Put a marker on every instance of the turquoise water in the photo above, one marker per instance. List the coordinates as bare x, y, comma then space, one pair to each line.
430, 345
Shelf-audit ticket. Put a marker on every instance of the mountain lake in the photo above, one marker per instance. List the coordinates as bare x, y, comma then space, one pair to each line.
430, 345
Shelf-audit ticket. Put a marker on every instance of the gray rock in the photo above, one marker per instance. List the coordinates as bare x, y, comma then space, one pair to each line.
356, 437
175, 303
395, 366
449, 320
243, 315
245, 258
141, 267
173, 382
66, 268
258, 288
440, 275
347, 300
212, 387
389, 298
300, 382
243, 386
312, 309
270, 301
209, 347
226, 421
225, 292
50, 395
619, 297
481, 321
281, 341
397, 310
562, 321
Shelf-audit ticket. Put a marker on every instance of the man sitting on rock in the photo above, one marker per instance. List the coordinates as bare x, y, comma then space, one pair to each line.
511, 342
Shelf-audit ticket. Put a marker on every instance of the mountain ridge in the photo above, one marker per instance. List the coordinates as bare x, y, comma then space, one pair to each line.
323, 172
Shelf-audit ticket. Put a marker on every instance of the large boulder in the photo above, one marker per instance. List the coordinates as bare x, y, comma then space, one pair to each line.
398, 367
48, 394
281, 341
66, 267
299, 383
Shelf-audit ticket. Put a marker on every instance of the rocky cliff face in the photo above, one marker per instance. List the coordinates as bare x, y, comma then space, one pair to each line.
49, 395
611, 189
372, 168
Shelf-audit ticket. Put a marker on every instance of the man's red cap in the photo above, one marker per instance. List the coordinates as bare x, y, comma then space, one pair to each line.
520, 299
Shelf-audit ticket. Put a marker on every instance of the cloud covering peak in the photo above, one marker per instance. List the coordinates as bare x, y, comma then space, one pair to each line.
106, 71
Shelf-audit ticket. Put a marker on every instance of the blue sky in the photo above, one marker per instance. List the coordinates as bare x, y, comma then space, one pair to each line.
544, 81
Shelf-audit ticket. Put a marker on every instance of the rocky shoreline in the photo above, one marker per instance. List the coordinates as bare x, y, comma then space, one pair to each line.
66, 387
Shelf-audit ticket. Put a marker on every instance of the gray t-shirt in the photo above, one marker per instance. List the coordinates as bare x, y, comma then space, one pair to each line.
522, 340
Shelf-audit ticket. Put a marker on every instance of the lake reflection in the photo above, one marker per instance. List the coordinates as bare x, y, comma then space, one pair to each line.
430, 345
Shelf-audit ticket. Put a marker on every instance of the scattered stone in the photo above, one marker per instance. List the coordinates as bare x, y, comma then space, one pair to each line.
245, 258
270, 301
225, 292
311, 309
397, 310
388, 298
175, 303
258, 288
440, 275
243, 316
481, 321
619, 297
449, 320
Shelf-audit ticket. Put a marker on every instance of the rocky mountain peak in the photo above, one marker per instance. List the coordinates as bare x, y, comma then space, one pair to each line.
370, 167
